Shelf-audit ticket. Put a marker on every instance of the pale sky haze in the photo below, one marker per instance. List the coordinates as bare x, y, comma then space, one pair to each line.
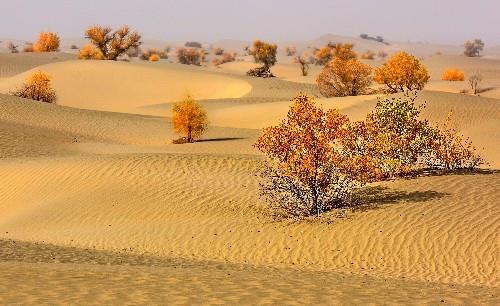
437, 21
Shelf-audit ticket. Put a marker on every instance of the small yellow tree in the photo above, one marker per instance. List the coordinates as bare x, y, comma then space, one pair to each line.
47, 42
189, 119
344, 78
90, 52
264, 54
37, 87
401, 72
113, 44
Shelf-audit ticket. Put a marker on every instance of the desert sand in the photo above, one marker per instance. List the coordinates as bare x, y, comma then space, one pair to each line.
97, 206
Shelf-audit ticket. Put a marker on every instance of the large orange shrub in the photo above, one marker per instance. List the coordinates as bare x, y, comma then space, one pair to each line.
37, 87
225, 57
189, 119
305, 171
453, 74
112, 44
47, 42
344, 78
401, 72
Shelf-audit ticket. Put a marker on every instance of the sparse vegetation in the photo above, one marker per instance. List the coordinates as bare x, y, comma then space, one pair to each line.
154, 57
368, 55
303, 175
450, 151
218, 51
402, 72
112, 44
265, 54
473, 48
146, 55
344, 78
225, 57
37, 87
304, 66
453, 74
391, 140
290, 51
74, 47
12, 47
89, 52
47, 42
334, 50
474, 81
382, 54
193, 44
28, 47
189, 119
323, 56
190, 56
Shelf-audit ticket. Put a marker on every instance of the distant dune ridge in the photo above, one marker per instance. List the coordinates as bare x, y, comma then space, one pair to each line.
97, 204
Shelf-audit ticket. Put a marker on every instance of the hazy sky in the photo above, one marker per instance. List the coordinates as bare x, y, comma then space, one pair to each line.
445, 21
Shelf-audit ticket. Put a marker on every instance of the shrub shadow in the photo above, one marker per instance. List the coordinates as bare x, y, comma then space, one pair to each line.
370, 198
220, 139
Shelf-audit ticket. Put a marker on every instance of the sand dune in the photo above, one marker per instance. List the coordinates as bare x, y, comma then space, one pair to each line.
98, 206
124, 87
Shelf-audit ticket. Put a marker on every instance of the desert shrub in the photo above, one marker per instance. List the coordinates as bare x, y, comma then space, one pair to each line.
290, 51
218, 51
112, 44
323, 56
344, 51
402, 72
450, 151
190, 56
382, 54
304, 66
133, 52
334, 50
225, 57
189, 119
28, 47
12, 47
265, 54
473, 48
146, 55
193, 44
74, 47
37, 87
368, 55
474, 81
453, 74
154, 57
344, 78
391, 141
88, 52
303, 174
47, 42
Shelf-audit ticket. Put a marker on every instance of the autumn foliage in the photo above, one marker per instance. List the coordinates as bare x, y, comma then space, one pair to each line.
189, 119
154, 57
453, 74
265, 54
402, 72
225, 57
316, 159
344, 78
37, 87
89, 52
112, 44
450, 151
303, 175
334, 50
190, 56
47, 42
